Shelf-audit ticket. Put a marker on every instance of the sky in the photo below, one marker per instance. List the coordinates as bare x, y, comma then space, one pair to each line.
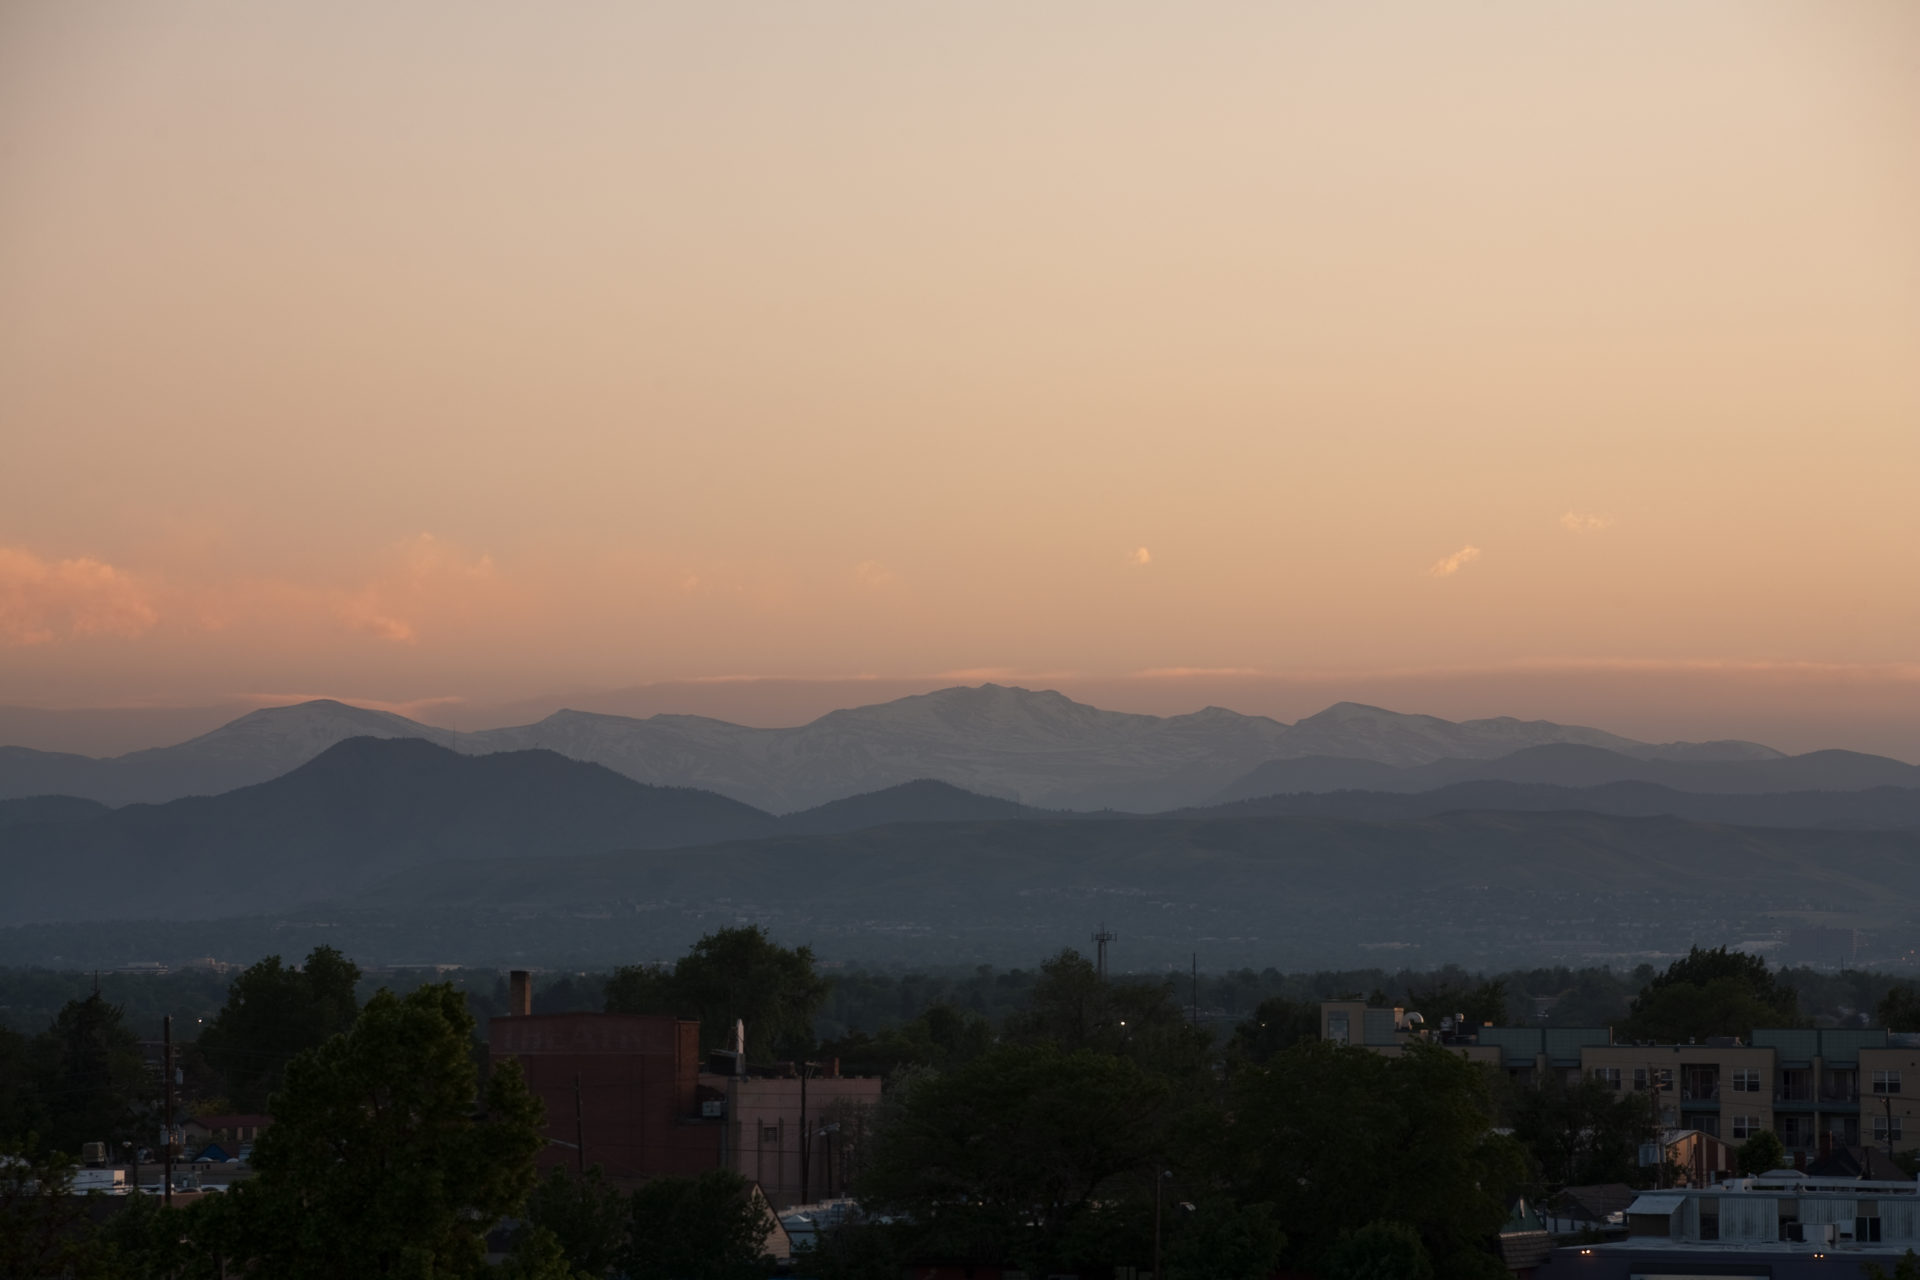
1506, 358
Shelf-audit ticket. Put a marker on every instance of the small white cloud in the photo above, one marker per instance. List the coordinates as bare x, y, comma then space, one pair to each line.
1141, 556
1447, 566
1574, 522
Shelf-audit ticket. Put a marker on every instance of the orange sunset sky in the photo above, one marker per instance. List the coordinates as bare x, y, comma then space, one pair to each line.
1476, 359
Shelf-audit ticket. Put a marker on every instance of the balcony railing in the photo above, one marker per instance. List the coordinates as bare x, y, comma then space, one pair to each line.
1839, 1093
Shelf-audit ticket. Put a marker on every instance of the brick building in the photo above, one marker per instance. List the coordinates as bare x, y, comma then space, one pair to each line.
623, 1087
628, 1092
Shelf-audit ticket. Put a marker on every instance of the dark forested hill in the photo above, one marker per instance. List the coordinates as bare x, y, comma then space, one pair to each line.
1569, 764
360, 811
1878, 807
922, 801
1457, 886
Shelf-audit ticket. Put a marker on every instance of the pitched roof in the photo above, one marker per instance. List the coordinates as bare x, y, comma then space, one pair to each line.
1595, 1202
1856, 1162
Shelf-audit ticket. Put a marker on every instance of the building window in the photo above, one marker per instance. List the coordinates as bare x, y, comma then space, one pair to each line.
1746, 1080
1886, 1128
1660, 1078
769, 1133
1337, 1028
1608, 1076
1745, 1127
1886, 1082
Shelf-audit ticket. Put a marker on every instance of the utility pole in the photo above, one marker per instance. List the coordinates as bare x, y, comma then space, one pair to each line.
1887, 1100
806, 1135
1100, 941
1196, 989
166, 1138
1159, 1178
579, 1130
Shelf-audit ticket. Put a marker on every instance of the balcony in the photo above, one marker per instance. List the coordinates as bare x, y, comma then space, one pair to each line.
1840, 1093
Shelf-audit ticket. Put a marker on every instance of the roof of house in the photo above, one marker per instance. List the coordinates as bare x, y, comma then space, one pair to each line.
1596, 1202
1522, 1250
1855, 1162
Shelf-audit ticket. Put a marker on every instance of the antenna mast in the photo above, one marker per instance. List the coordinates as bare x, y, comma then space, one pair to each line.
1100, 941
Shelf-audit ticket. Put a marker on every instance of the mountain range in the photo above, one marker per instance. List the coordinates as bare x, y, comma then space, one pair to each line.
368, 808
1034, 748
340, 828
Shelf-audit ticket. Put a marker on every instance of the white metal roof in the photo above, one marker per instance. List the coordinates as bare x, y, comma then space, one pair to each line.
1656, 1204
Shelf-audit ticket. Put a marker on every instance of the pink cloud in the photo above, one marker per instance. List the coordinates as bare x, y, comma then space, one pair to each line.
1447, 566
42, 601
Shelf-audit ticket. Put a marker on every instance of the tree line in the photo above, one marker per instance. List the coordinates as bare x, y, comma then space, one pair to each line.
1093, 1123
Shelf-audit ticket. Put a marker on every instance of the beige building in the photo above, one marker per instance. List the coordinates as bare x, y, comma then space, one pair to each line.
798, 1138
1815, 1088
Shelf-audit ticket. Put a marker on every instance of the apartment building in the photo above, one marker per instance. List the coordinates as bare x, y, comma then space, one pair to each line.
1816, 1088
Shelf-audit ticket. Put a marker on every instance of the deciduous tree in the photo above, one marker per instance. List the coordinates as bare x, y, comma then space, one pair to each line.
273, 1014
1337, 1137
90, 1076
732, 974
1711, 993
997, 1159
710, 1227
385, 1159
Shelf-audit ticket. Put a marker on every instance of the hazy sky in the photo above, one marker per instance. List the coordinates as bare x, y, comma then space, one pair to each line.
1504, 357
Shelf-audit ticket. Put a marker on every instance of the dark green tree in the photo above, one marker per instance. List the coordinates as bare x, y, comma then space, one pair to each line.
22, 1109
536, 1254
385, 1158
585, 1214
90, 1076
1477, 1002
1908, 1268
1711, 993
1584, 1133
1277, 1024
45, 1229
1221, 1240
942, 1036
996, 1160
1073, 1008
1379, 1251
732, 974
710, 1227
273, 1014
1761, 1153
1899, 1009
1336, 1138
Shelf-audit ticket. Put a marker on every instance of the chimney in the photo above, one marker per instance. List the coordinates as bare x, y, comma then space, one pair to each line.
519, 993
740, 1038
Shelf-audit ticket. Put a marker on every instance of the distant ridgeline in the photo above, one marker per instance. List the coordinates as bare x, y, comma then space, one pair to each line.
1353, 836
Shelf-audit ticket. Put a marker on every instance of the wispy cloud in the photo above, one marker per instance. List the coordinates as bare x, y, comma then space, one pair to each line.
422, 572
1141, 556
1575, 522
1447, 566
42, 601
